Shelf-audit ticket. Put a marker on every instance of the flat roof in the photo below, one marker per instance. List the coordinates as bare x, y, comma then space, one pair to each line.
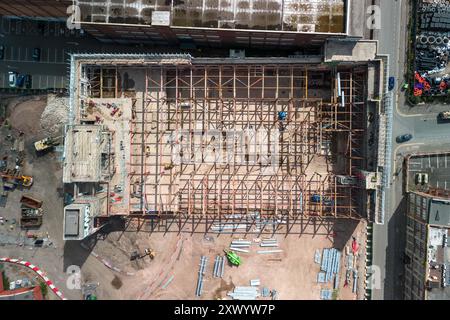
439, 212
82, 162
72, 222
310, 16
79, 217
438, 255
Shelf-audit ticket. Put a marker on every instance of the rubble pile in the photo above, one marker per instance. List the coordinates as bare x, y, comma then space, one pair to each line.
55, 115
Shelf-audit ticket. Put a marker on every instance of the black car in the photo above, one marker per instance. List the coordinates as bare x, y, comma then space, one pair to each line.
404, 138
391, 83
28, 82
36, 54
2, 52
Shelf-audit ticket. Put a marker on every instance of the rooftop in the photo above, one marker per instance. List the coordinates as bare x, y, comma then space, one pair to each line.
79, 217
83, 162
438, 264
439, 212
324, 16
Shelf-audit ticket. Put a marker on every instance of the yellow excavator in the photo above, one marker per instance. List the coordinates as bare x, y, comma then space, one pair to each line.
25, 181
147, 252
46, 143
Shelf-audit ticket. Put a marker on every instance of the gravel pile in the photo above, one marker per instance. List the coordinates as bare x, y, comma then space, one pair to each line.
55, 115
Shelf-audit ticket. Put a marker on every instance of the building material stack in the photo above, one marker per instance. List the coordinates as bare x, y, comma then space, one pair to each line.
244, 293
201, 272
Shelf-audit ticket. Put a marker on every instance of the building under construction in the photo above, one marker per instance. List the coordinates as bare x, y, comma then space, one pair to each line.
219, 141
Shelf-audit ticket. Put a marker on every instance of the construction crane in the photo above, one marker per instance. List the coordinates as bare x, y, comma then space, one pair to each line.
46, 143
25, 181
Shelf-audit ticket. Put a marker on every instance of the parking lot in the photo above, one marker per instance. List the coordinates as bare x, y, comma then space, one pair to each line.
437, 168
21, 36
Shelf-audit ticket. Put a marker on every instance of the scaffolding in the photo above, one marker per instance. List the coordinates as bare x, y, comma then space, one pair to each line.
217, 104
208, 145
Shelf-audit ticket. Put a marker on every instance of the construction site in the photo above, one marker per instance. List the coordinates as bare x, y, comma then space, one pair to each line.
244, 146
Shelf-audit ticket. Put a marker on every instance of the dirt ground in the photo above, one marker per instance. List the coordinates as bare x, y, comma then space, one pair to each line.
24, 115
291, 273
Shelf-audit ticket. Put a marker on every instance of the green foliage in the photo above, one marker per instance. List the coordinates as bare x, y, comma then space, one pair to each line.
5, 281
44, 288
335, 294
413, 100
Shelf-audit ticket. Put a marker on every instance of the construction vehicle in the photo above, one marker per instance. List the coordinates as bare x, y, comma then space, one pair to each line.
26, 181
46, 143
89, 291
147, 252
316, 198
233, 258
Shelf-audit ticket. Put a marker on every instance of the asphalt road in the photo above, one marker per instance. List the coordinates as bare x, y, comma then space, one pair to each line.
428, 136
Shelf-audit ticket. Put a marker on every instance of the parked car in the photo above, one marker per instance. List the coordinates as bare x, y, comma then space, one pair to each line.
418, 178
425, 178
36, 54
20, 81
391, 83
12, 78
28, 81
2, 52
404, 138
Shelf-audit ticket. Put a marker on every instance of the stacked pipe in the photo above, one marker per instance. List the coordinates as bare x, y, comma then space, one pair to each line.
201, 272
240, 245
219, 266
330, 263
269, 243
220, 228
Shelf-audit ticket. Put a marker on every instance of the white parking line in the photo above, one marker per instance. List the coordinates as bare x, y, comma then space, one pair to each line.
437, 162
